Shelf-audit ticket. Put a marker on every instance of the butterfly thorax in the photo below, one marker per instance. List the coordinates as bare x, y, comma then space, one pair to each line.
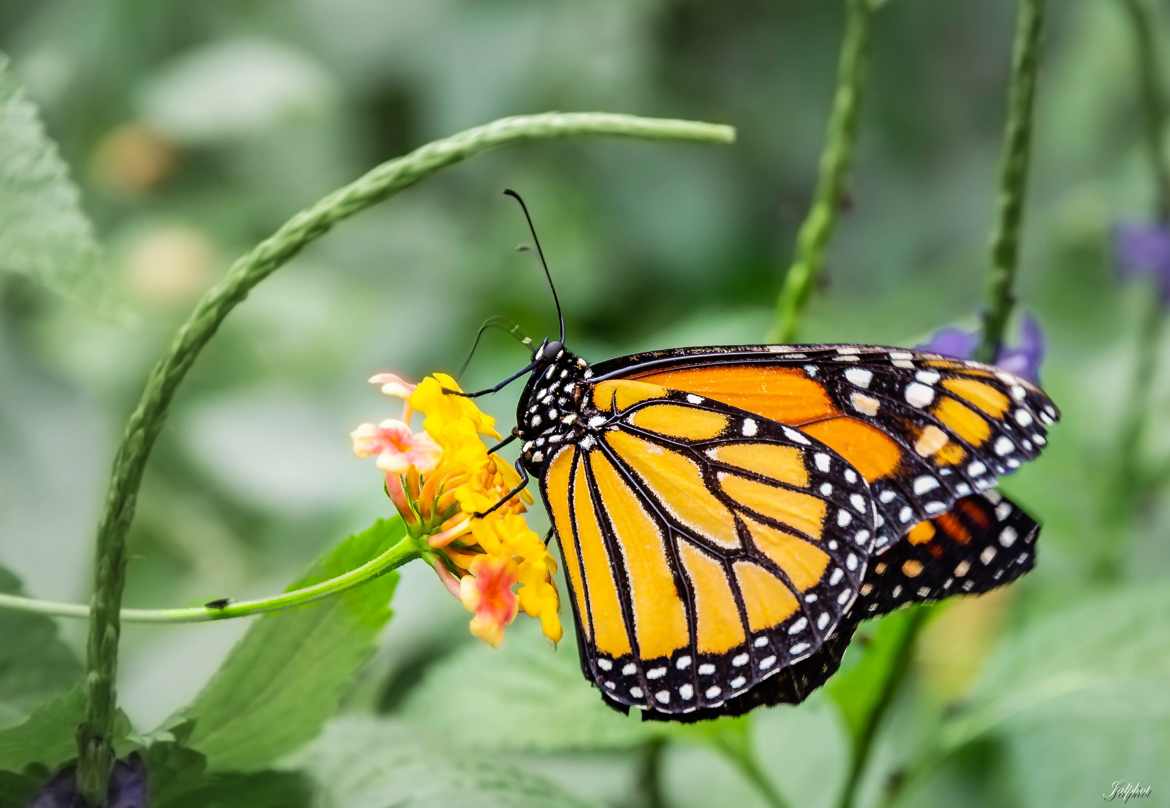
549, 414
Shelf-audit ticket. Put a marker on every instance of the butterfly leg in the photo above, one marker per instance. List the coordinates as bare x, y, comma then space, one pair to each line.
503, 443
523, 472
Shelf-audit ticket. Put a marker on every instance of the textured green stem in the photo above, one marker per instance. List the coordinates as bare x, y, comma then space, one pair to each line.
1005, 245
145, 423
1013, 178
1153, 101
394, 557
836, 158
1131, 480
895, 675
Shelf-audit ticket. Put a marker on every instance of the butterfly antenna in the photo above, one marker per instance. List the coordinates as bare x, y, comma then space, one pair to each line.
543, 263
504, 324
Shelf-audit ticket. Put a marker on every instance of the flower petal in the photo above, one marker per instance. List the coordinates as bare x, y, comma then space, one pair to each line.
393, 385
951, 342
487, 593
1144, 249
1022, 359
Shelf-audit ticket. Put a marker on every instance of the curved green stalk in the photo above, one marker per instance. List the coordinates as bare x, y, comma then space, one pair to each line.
95, 755
1131, 481
394, 557
1013, 179
1153, 101
836, 158
894, 675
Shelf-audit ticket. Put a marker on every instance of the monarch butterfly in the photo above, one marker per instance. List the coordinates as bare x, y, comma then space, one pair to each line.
728, 515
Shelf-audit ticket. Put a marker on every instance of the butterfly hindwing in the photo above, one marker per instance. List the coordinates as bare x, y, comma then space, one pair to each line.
706, 549
923, 429
985, 542
982, 543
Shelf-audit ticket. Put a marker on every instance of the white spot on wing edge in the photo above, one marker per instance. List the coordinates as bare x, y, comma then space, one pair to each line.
919, 395
796, 437
859, 377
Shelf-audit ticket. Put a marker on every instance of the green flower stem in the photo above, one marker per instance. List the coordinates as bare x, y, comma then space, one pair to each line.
1153, 98
1131, 481
394, 557
95, 755
836, 157
895, 674
1013, 178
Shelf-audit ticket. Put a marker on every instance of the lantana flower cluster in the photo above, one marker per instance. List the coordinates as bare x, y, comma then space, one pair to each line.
441, 479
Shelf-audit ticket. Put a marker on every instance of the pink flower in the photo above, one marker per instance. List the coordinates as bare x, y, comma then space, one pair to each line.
397, 448
487, 594
393, 385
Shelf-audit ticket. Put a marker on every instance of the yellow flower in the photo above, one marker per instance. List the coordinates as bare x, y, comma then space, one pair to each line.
507, 536
495, 564
454, 421
490, 483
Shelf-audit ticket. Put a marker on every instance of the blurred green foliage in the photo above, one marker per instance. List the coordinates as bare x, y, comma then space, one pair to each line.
193, 130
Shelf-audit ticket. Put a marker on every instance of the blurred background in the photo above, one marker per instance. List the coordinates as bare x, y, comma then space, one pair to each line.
194, 130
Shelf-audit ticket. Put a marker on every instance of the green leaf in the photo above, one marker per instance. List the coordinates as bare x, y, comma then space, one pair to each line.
179, 778
537, 693
872, 658
17, 789
1106, 658
1076, 761
1075, 701
366, 761
288, 673
43, 232
47, 736
34, 663
261, 789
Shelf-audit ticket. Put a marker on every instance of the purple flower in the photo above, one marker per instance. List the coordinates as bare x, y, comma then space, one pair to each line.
1022, 359
1144, 249
128, 787
952, 342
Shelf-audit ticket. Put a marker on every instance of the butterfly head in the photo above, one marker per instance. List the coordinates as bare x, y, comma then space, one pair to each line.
546, 415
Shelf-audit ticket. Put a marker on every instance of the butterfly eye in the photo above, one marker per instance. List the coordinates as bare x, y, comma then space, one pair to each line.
551, 349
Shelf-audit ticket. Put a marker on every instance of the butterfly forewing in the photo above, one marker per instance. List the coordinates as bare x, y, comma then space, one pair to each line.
706, 548
923, 429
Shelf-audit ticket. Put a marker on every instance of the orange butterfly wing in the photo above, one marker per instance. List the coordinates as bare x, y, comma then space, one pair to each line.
924, 430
